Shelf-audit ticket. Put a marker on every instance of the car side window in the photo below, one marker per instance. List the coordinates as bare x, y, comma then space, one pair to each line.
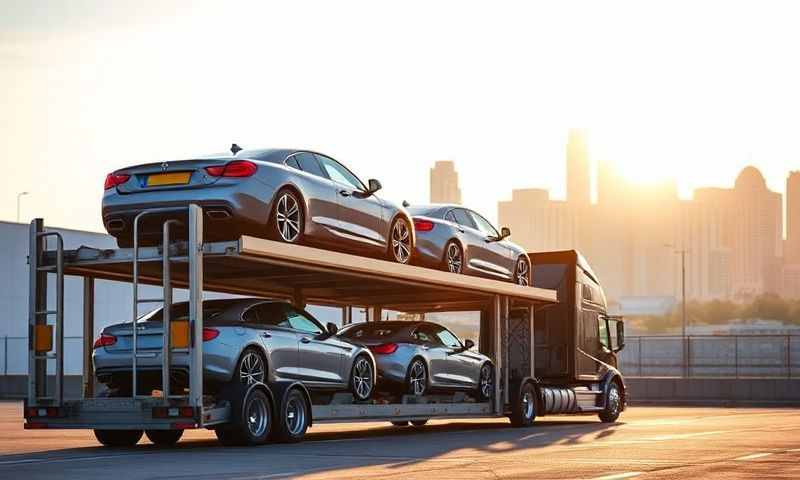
267, 314
308, 163
450, 217
448, 339
338, 173
462, 218
299, 321
484, 225
427, 334
292, 162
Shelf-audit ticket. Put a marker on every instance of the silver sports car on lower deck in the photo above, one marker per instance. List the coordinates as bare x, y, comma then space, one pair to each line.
459, 240
419, 357
245, 339
290, 195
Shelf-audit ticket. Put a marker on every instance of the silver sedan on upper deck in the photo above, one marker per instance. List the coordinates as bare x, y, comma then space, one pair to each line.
459, 240
295, 196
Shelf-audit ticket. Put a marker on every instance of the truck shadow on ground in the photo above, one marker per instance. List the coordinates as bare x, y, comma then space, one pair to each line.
391, 447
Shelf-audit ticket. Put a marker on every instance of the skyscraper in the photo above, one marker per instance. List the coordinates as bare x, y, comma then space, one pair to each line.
578, 174
444, 183
792, 253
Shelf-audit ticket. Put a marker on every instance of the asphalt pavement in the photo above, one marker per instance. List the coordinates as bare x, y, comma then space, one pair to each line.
646, 443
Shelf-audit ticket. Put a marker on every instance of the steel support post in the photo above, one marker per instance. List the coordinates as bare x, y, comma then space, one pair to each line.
532, 319
166, 282
37, 301
88, 336
506, 303
499, 367
196, 305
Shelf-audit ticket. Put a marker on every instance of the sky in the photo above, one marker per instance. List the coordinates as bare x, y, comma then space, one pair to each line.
691, 90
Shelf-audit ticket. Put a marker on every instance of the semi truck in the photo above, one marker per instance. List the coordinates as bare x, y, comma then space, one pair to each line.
552, 344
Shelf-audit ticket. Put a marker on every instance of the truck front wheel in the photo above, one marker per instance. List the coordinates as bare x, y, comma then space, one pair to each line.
523, 411
613, 404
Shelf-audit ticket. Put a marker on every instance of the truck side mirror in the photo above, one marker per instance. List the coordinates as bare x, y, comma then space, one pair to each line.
620, 336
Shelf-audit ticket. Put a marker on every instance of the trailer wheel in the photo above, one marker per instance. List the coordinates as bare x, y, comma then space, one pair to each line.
293, 418
118, 438
164, 438
400, 423
419, 423
251, 420
523, 411
613, 404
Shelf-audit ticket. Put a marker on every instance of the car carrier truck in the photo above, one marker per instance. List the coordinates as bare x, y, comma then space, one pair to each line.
552, 344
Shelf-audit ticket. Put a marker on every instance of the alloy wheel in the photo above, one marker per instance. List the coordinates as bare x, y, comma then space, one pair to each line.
401, 241
454, 258
521, 273
613, 400
288, 217
252, 369
362, 378
527, 405
417, 378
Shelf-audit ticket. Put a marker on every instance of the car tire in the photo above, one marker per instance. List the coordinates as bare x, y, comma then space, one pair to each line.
453, 260
400, 423
485, 390
287, 218
523, 411
250, 363
419, 423
522, 271
613, 408
293, 418
400, 241
118, 438
417, 378
164, 438
362, 378
251, 418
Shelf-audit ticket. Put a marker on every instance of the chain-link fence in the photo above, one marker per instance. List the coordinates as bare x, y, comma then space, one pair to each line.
755, 356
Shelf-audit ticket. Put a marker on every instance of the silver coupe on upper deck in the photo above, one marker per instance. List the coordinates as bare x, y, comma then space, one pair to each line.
295, 196
460, 240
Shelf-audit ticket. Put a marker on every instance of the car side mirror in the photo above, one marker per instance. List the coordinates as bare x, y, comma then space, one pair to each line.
620, 336
374, 186
468, 344
332, 328
505, 232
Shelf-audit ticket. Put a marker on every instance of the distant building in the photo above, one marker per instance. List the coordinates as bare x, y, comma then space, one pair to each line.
538, 223
579, 183
444, 183
792, 253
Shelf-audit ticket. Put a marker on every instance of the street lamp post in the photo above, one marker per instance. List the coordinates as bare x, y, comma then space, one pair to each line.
19, 198
684, 339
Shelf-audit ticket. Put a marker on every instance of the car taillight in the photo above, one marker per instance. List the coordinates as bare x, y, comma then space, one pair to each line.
384, 348
210, 334
105, 340
115, 179
236, 168
423, 225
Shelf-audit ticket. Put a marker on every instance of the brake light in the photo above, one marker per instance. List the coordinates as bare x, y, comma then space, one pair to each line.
423, 225
105, 340
236, 168
210, 334
384, 348
115, 179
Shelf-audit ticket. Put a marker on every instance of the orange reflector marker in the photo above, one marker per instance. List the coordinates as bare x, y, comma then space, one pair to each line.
179, 333
43, 338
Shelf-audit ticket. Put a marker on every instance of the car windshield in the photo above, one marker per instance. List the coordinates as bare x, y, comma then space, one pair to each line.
180, 311
369, 331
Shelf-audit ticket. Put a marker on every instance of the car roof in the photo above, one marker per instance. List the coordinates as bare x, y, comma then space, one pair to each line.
272, 155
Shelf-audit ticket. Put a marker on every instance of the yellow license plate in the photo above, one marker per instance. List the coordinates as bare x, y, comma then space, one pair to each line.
177, 178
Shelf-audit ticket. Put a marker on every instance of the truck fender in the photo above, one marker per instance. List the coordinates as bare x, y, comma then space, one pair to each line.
281, 389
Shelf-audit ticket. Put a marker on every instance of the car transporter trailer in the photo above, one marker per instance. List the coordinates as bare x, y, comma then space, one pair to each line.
264, 268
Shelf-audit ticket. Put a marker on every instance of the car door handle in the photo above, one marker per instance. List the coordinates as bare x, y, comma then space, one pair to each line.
424, 347
305, 340
266, 335
344, 193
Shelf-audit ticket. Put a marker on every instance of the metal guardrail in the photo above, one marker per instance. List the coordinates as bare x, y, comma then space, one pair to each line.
732, 356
